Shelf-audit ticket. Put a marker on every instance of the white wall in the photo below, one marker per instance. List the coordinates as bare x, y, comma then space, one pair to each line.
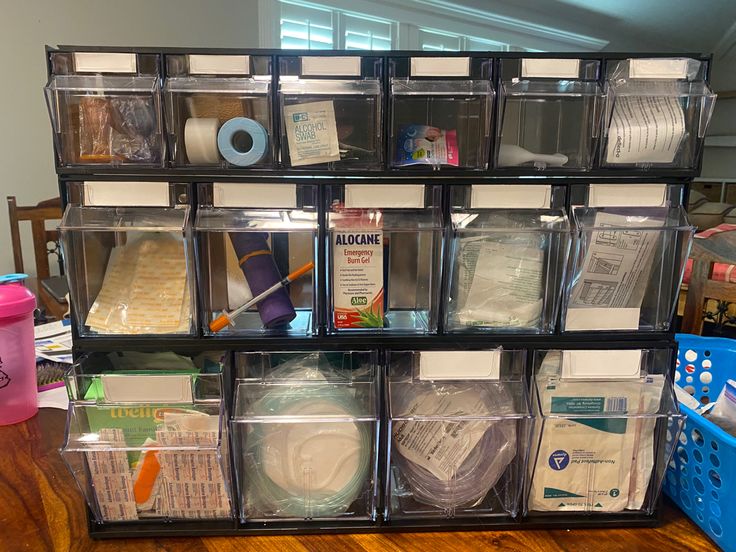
26, 158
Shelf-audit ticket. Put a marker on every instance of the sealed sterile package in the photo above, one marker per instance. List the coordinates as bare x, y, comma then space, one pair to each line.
723, 413
499, 280
426, 145
145, 289
315, 460
593, 464
449, 456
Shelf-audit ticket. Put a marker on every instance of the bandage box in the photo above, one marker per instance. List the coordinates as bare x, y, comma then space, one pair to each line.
506, 261
656, 115
627, 267
384, 249
305, 436
149, 443
248, 238
459, 429
129, 258
440, 112
549, 112
105, 109
219, 110
331, 112
607, 425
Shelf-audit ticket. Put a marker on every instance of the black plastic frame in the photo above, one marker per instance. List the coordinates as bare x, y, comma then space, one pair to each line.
447, 179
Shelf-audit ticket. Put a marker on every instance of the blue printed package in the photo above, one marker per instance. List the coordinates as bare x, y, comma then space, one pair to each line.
426, 145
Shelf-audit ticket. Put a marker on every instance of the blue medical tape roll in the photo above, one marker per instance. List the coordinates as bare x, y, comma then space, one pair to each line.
230, 134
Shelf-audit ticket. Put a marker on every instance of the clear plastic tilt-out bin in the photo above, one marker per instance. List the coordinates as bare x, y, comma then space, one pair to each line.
305, 431
218, 110
626, 267
606, 425
249, 238
657, 112
105, 109
331, 110
507, 256
385, 254
441, 112
128, 257
549, 112
147, 438
459, 424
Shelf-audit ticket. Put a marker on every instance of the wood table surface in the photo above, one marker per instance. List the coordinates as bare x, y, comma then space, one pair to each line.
40, 509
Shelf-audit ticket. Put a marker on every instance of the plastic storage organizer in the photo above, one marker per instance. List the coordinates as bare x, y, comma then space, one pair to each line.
701, 476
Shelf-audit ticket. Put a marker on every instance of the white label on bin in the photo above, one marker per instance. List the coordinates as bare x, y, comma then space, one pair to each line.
579, 319
104, 62
127, 194
384, 196
148, 388
627, 195
331, 66
219, 65
511, 196
440, 67
232, 194
603, 364
455, 365
658, 68
550, 68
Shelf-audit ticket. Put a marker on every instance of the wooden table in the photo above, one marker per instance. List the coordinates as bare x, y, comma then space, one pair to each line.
40, 509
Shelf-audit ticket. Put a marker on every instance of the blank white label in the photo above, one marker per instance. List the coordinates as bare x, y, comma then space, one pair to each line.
148, 388
331, 66
550, 68
453, 365
380, 196
658, 68
104, 62
604, 364
275, 196
440, 67
219, 65
508, 196
126, 193
603, 318
627, 195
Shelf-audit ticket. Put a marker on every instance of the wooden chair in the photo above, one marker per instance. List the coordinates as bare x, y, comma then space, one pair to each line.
49, 209
719, 248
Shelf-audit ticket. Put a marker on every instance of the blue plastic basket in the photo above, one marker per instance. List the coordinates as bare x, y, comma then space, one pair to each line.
701, 478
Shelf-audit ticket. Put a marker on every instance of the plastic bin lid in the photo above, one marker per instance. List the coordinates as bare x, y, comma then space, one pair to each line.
15, 298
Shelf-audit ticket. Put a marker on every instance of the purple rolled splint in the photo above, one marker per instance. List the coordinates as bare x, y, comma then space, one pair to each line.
261, 273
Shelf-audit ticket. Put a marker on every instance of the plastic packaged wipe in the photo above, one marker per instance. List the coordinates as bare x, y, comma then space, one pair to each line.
593, 464
499, 280
300, 468
723, 413
449, 461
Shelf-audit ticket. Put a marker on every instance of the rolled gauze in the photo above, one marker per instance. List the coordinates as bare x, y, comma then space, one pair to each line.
261, 273
200, 141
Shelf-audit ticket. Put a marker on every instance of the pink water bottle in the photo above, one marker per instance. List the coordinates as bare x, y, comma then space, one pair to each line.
18, 388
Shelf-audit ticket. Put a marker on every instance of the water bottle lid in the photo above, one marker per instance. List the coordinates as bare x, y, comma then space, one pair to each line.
15, 298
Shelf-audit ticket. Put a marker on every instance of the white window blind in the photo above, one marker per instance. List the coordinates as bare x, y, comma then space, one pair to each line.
437, 41
362, 33
306, 27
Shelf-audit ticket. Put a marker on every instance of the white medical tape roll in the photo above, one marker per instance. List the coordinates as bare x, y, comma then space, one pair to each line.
200, 140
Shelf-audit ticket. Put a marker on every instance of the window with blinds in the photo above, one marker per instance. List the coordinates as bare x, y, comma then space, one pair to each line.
362, 33
306, 27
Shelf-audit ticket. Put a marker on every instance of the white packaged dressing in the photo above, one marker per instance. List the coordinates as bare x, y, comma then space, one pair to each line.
594, 464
